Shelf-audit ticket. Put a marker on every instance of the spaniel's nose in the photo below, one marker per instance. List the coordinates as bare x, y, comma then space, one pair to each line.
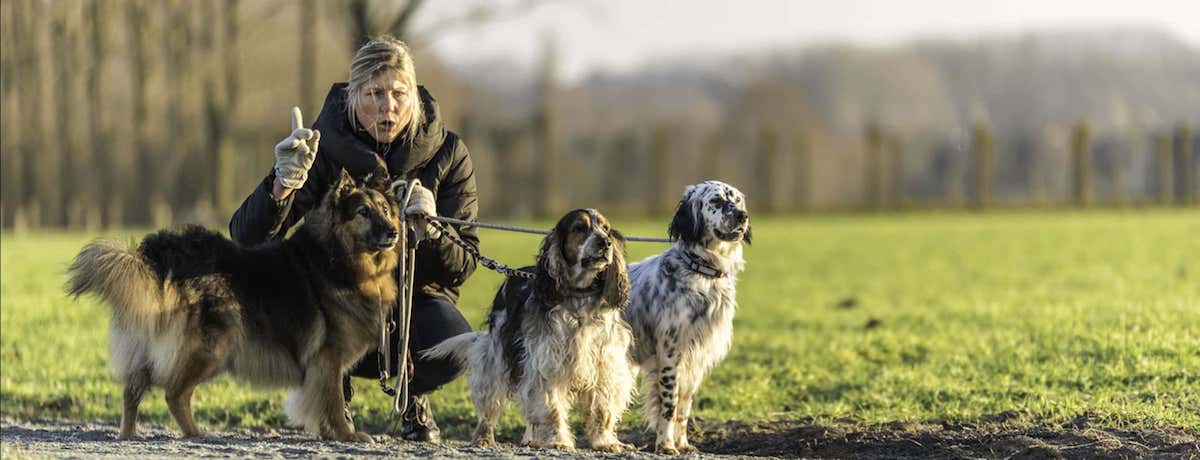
740, 216
392, 234
604, 243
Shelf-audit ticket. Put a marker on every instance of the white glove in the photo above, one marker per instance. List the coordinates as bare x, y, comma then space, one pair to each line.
420, 206
295, 154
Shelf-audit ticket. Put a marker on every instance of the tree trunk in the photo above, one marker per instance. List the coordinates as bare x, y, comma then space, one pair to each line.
981, 137
1081, 164
1186, 175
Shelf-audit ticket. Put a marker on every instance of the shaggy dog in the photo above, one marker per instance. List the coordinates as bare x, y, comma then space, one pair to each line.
189, 305
556, 339
681, 306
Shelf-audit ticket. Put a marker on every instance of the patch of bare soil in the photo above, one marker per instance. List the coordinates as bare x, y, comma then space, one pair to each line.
1079, 438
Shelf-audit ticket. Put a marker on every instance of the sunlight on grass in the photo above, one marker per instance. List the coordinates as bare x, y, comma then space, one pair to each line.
850, 320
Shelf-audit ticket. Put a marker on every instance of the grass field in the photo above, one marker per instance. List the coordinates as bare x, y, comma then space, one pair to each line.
849, 320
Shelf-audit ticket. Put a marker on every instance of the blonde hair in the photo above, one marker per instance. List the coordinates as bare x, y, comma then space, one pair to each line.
382, 54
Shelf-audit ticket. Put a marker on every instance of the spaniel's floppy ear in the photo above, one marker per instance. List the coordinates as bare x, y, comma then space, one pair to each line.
685, 225
550, 265
616, 277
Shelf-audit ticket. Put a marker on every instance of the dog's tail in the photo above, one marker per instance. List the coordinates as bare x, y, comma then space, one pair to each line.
117, 273
457, 348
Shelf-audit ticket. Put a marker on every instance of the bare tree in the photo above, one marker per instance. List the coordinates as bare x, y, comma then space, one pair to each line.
10, 142
366, 21
105, 185
544, 129
221, 87
137, 17
72, 155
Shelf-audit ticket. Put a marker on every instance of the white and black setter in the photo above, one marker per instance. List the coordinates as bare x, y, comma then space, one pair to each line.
682, 303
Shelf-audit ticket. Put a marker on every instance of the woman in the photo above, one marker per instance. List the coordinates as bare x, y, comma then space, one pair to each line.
381, 113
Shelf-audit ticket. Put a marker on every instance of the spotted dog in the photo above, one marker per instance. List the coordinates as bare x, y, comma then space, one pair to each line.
682, 303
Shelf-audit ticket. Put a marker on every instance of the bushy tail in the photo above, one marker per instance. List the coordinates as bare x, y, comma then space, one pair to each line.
457, 348
115, 272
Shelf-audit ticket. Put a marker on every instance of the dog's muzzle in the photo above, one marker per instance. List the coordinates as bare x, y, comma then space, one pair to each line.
599, 254
741, 221
387, 241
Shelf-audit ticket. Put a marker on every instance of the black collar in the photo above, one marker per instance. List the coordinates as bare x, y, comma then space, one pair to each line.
700, 266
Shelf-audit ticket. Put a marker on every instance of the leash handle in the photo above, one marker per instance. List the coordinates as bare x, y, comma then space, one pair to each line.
404, 280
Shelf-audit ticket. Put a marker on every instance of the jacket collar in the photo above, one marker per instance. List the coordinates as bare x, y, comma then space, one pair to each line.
355, 149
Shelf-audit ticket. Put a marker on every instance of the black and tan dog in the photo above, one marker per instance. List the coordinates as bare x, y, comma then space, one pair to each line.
556, 339
189, 305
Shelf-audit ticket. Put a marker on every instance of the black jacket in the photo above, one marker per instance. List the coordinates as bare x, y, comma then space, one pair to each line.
437, 157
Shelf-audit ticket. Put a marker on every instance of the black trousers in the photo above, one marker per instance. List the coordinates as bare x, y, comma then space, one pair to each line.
434, 319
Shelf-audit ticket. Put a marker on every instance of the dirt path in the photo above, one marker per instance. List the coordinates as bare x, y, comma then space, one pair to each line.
994, 439
52, 438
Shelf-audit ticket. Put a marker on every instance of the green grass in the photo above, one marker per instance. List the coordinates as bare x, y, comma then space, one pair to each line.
1045, 316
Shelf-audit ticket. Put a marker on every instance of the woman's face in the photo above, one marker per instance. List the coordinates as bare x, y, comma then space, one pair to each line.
383, 108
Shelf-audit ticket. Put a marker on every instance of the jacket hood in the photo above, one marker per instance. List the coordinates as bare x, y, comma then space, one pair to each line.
358, 152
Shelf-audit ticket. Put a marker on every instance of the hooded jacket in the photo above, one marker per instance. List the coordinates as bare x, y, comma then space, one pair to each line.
435, 156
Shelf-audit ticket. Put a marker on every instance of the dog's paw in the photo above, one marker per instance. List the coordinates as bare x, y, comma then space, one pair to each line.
686, 448
485, 442
362, 437
665, 449
614, 447
561, 446
195, 434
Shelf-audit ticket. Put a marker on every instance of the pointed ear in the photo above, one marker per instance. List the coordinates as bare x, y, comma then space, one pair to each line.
616, 277
685, 225
344, 185
378, 179
550, 265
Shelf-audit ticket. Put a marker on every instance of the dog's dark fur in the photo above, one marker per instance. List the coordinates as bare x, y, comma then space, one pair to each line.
189, 305
556, 339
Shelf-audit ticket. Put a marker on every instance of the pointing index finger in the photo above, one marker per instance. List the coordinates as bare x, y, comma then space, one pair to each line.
297, 119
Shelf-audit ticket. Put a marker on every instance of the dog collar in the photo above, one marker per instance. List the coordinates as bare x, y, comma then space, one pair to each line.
698, 265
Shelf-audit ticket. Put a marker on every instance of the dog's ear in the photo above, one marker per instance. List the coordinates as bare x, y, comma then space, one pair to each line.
685, 225
616, 277
345, 184
549, 267
378, 179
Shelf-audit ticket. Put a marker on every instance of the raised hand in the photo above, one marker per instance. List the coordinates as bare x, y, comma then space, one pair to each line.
294, 155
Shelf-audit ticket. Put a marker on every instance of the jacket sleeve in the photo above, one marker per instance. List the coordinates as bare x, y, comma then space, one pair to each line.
443, 261
261, 219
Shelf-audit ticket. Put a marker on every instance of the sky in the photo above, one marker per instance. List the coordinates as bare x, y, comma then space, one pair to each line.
622, 35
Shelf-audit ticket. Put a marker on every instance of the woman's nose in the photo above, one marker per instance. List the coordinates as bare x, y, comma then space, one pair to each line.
391, 104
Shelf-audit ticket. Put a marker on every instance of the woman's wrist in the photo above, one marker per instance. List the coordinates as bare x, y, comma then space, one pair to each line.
279, 192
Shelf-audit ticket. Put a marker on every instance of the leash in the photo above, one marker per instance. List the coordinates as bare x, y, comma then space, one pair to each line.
402, 315
513, 228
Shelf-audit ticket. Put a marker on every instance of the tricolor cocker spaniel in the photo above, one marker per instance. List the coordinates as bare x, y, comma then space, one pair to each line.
681, 306
557, 339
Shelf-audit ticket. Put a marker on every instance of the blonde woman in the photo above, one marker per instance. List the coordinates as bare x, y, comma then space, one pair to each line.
382, 114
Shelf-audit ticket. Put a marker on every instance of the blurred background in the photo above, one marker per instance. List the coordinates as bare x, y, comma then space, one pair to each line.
151, 113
